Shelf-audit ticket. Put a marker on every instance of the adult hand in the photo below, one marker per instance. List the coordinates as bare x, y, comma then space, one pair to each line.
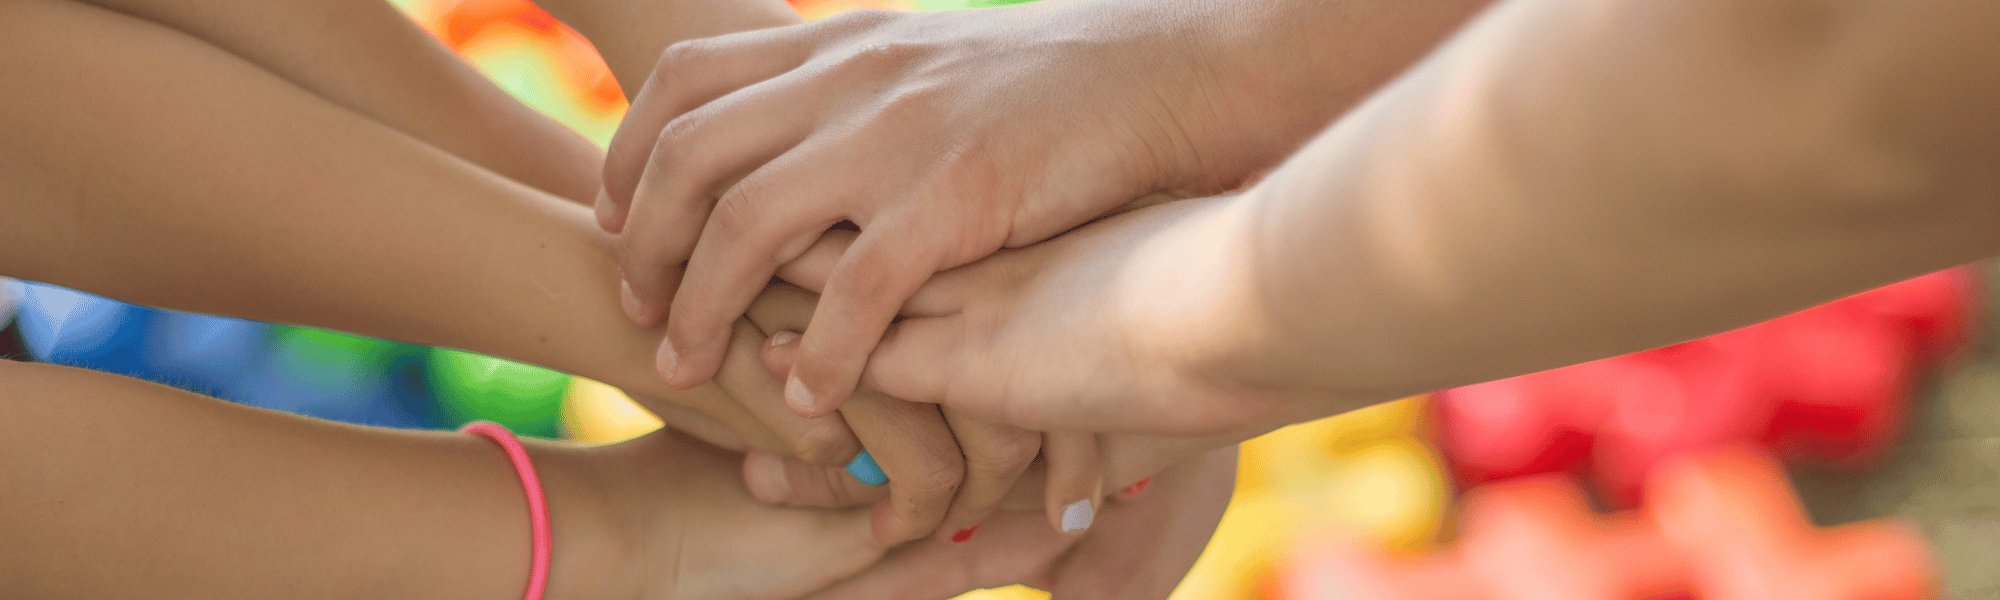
943, 136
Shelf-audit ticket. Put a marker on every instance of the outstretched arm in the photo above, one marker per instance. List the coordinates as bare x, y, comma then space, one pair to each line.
1563, 181
249, 196
364, 56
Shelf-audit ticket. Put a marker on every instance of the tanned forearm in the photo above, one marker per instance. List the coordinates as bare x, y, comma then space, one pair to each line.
249, 197
364, 56
117, 488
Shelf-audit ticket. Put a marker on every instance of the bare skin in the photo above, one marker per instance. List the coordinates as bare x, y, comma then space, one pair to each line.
1550, 187
947, 136
393, 264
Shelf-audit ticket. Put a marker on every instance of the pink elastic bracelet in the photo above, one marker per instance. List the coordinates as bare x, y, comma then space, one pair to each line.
538, 503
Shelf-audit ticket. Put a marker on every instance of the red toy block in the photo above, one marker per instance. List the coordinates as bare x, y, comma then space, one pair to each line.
1744, 535
1720, 525
1828, 384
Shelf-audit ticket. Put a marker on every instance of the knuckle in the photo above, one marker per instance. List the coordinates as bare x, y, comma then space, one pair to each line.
677, 58
740, 209
877, 57
937, 478
666, 159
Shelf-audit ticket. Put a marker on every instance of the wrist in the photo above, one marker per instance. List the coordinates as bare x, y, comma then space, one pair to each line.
595, 556
1188, 296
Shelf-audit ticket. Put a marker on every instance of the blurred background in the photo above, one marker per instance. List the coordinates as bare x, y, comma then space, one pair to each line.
1885, 404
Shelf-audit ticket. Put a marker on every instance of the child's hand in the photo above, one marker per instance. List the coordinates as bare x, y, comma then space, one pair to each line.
943, 136
946, 471
1109, 328
1141, 546
696, 533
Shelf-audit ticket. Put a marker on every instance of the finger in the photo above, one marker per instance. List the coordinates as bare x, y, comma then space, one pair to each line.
689, 74
911, 444
915, 448
1076, 480
1134, 492
812, 267
777, 480
819, 440
708, 429
765, 220
995, 457
943, 294
916, 360
696, 157
866, 290
1172, 527
716, 404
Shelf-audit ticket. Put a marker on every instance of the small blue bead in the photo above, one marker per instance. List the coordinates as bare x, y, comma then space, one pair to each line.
865, 469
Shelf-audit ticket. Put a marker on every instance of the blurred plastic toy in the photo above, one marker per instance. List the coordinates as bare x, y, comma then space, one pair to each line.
470, 387
1827, 384
67, 327
1717, 526
342, 377
1366, 474
10, 299
595, 413
206, 354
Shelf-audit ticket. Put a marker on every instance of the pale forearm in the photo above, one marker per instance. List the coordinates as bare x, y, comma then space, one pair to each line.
116, 488
1301, 63
630, 34
1569, 181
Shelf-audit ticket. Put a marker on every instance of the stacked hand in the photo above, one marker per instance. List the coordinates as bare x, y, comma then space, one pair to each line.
882, 160
943, 137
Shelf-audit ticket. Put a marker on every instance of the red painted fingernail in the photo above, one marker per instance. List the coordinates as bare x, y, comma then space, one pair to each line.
1138, 487
964, 534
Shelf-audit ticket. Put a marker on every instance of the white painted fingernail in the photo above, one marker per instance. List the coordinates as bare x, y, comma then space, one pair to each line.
784, 337
1076, 516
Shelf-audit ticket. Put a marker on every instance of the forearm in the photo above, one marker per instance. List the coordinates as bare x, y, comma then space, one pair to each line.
116, 488
1556, 186
248, 197
367, 58
630, 34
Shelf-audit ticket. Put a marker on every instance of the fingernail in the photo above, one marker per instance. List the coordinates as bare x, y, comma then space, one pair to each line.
1138, 487
964, 534
767, 474
630, 300
669, 360
798, 396
1076, 516
865, 469
784, 337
